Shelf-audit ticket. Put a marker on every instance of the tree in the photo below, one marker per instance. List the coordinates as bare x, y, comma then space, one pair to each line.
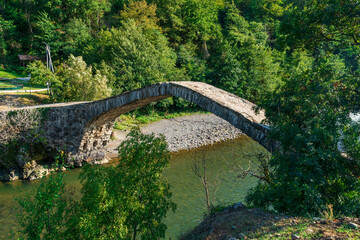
7, 29
40, 75
201, 18
314, 22
171, 19
137, 194
201, 22
44, 210
264, 11
123, 202
210, 183
242, 63
308, 115
77, 38
47, 32
142, 13
76, 82
137, 61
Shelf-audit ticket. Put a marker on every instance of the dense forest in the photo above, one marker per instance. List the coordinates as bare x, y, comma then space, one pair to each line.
245, 47
297, 59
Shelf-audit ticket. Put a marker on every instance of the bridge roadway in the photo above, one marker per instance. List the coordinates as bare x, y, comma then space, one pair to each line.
84, 128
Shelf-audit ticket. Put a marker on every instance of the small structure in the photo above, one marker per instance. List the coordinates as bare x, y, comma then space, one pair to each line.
25, 59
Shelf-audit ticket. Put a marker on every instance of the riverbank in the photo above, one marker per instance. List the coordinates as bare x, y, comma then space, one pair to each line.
183, 133
239, 222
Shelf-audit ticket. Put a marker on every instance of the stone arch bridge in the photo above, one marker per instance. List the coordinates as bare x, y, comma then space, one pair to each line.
84, 128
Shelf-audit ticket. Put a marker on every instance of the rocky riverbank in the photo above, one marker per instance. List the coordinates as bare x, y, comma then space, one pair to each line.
184, 133
181, 133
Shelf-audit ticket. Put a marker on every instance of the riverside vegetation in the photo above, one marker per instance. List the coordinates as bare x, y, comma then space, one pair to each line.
298, 60
124, 202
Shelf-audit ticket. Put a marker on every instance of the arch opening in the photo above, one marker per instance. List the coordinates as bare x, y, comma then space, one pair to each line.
237, 111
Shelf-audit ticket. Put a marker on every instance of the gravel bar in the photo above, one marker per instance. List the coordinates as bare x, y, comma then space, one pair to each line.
184, 133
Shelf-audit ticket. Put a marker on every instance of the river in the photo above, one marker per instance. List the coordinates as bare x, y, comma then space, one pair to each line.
187, 190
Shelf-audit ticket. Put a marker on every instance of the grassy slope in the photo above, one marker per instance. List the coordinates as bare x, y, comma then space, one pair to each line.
15, 83
5, 74
258, 224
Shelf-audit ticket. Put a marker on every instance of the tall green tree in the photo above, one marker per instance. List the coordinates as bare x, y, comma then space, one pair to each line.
40, 74
7, 30
137, 60
330, 21
43, 211
128, 201
77, 38
310, 116
143, 14
132, 195
243, 64
47, 31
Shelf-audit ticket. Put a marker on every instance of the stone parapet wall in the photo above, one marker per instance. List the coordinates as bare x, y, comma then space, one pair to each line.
84, 129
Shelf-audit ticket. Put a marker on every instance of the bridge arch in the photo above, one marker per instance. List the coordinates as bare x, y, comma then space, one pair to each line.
85, 128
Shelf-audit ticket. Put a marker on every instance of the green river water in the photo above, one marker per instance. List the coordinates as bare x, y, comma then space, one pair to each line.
187, 190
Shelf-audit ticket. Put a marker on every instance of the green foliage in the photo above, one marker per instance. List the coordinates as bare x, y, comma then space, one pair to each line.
78, 38
314, 22
308, 115
243, 64
142, 13
7, 30
109, 72
76, 82
122, 202
47, 32
40, 74
44, 210
137, 186
201, 18
194, 67
137, 61
261, 10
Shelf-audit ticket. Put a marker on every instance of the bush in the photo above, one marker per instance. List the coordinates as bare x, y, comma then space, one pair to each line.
120, 202
76, 82
40, 75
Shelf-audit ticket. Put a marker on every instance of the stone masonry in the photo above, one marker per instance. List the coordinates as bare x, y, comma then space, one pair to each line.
83, 129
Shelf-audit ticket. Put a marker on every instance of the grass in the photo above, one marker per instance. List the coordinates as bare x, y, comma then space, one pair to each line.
262, 225
15, 83
128, 121
3, 93
7, 85
5, 74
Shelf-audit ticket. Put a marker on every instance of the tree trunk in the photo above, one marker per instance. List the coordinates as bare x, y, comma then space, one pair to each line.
205, 50
135, 232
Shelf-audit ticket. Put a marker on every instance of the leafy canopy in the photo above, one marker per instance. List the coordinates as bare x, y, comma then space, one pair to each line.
122, 202
310, 117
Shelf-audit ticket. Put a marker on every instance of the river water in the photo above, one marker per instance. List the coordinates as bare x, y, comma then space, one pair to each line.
187, 189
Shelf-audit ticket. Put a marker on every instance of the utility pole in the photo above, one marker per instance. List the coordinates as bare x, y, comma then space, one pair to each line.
50, 66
